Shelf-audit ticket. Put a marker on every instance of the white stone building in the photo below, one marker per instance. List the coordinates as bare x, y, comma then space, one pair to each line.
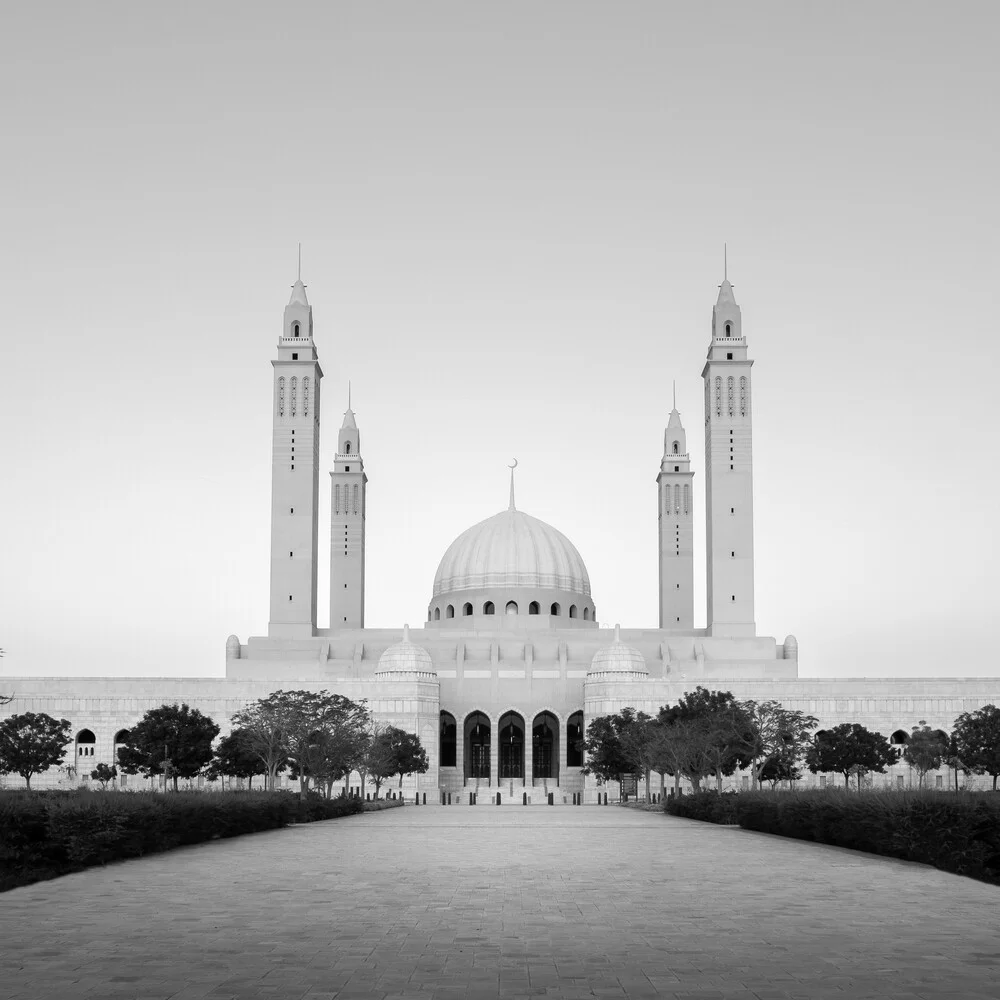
511, 663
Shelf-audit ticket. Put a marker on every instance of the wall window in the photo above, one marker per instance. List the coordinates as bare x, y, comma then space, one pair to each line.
437, 614
511, 608
533, 608
449, 612
488, 608
555, 609
572, 611
467, 609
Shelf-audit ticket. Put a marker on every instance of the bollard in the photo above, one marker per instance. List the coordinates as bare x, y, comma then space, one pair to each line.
425, 798
472, 798
449, 798
416, 798
524, 798
498, 798
552, 798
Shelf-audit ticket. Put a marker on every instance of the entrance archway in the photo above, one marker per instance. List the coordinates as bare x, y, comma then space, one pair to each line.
574, 738
448, 744
545, 746
511, 734
478, 735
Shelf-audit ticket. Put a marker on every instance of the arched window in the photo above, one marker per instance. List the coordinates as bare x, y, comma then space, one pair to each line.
437, 614
729, 329
687, 499
85, 741
555, 610
355, 498
743, 395
899, 738
295, 329
677, 498
293, 385
533, 608
488, 608
572, 611
586, 614
336, 498
677, 447
347, 448
511, 608
467, 610
731, 391
718, 395
448, 745
281, 396
545, 746
449, 612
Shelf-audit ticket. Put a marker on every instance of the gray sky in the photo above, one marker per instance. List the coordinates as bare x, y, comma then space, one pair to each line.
512, 220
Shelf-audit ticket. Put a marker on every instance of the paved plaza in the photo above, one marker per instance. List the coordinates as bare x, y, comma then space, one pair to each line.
512, 902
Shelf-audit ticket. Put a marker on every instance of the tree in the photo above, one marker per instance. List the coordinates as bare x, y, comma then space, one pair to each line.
773, 731
849, 749
780, 769
705, 733
606, 758
31, 743
234, 758
411, 757
925, 750
260, 725
977, 741
174, 740
104, 774
318, 733
380, 754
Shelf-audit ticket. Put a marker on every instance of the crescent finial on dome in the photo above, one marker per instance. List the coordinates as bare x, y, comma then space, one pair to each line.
512, 468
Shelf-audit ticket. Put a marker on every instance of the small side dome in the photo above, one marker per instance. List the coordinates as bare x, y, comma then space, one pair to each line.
618, 658
233, 647
791, 647
405, 657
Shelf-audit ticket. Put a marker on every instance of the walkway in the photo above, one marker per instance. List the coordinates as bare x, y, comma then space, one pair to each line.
510, 902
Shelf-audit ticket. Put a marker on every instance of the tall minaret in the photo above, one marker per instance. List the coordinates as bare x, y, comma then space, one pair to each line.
676, 517
728, 473
295, 473
347, 529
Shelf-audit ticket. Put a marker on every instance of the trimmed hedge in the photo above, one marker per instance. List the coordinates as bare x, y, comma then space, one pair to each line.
45, 834
956, 832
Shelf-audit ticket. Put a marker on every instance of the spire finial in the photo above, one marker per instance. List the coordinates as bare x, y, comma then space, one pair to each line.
725, 261
675, 394
618, 632
349, 394
406, 633
299, 278
512, 468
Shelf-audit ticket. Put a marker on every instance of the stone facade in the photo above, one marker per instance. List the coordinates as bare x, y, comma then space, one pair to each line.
511, 664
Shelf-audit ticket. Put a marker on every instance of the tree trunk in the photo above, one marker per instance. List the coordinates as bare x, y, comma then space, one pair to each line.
994, 782
847, 780
27, 782
175, 784
649, 797
677, 783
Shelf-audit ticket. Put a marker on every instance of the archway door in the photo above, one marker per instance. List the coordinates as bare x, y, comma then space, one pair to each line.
511, 732
545, 746
477, 746
574, 740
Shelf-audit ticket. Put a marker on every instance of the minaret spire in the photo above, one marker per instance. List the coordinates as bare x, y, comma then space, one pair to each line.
675, 394
299, 278
512, 468
725, 261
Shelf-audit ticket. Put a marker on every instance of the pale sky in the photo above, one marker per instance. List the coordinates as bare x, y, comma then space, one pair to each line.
512, 219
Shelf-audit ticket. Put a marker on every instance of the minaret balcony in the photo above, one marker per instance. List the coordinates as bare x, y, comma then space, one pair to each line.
719, 341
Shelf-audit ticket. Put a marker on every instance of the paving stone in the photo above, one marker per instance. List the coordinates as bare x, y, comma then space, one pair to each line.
429, 904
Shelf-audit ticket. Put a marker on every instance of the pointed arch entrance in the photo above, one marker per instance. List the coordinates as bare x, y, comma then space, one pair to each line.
545, 746
478, 737
511, 734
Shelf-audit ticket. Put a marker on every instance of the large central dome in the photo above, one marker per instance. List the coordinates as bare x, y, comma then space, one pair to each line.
514, 566
511, 550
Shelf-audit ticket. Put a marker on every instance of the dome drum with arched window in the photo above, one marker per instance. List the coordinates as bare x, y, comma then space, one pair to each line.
512, 571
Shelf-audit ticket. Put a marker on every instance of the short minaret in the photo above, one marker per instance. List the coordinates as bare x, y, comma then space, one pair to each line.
729, 473
295, 473
347, 529
676, 519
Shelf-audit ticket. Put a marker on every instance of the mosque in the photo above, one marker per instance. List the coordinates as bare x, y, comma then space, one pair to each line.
511, 664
